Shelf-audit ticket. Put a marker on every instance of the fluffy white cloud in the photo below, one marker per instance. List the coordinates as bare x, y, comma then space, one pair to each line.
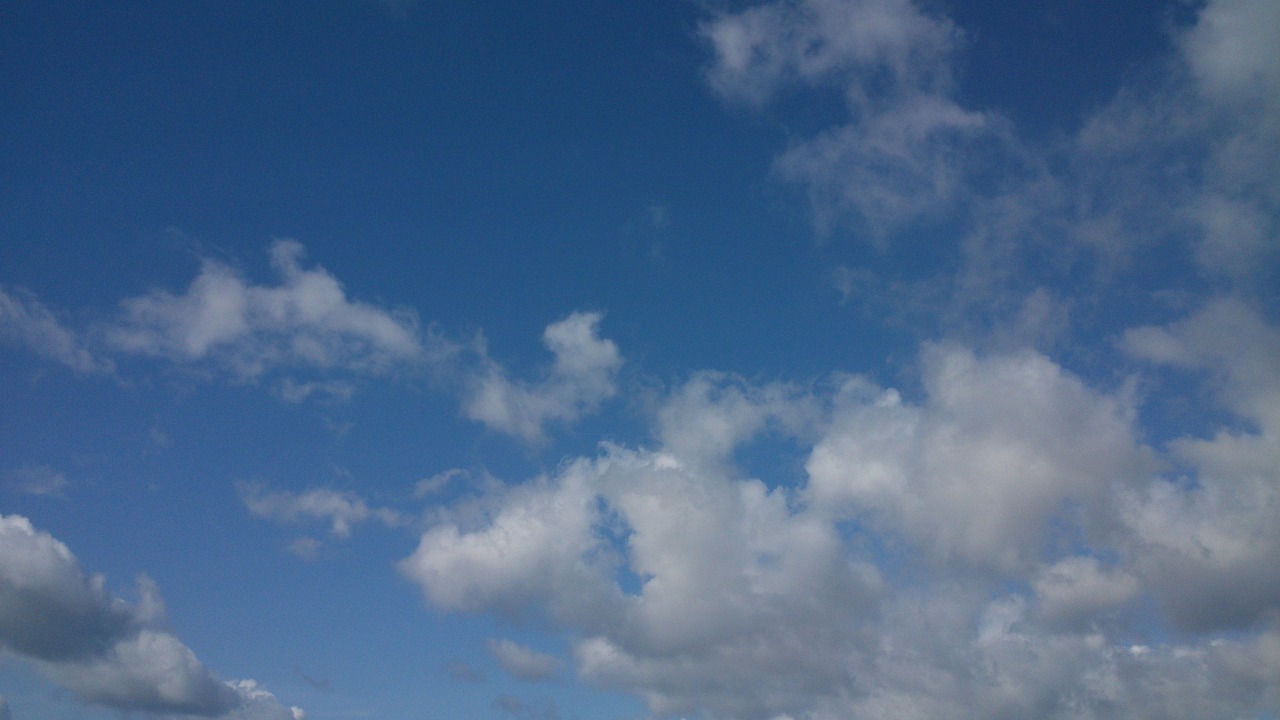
581, 377
703, 591
979, 548
49, 609
102, 649
733, 601
999, 448
527, 546
305, 321
523, 662
713, 413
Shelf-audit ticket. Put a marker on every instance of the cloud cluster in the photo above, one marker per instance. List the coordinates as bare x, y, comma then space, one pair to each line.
104, 650
1004, 540
223, 321
307, 325
975, 552
972, 554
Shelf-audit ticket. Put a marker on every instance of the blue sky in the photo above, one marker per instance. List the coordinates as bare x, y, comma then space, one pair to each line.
808, 360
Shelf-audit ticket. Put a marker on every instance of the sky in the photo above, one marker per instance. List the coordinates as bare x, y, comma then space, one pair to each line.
782, 360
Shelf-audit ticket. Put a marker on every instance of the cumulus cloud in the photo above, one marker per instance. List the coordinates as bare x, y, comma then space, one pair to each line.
104, 650
881, 586
713, 413
523, 662
305, 321
581, 377
980, 545
999, 448
735, 591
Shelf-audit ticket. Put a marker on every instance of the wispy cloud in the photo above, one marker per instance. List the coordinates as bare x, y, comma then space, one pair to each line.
523, 662
40, 480
26, 322
342, 510
306, 337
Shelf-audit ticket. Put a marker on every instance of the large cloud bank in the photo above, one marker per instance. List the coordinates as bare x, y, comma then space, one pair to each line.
981, 552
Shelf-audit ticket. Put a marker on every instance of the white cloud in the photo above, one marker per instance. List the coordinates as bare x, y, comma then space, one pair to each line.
25, 321
581, 377
1076, 588
762, 48
342, 510
713, 413
525, 549
736, 593
679, 581
102, 649
904, 151
306, 321
523, 662
1213, 550
1233, 343
1232, 50
1187, 158
1000, 447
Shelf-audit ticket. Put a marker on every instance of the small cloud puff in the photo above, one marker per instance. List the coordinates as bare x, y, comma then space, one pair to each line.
523, 662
